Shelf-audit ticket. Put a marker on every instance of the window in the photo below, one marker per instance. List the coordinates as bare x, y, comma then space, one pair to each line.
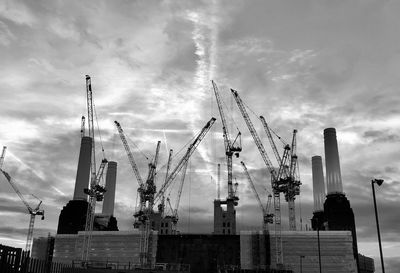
228, 224
223, 231
229, 231
223, 224
162, 224
166, 224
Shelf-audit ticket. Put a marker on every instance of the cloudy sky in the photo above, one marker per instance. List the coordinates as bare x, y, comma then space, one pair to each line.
306, 64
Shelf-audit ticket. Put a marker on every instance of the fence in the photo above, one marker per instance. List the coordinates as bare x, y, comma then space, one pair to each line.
14, 260
115, 265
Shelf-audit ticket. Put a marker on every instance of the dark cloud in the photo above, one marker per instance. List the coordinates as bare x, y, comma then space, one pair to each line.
381, 136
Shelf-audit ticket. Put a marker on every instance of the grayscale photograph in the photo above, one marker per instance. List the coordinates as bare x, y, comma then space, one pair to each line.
199, 136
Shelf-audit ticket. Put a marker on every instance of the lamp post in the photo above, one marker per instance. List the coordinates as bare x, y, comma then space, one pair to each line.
319, 247
301, 263
319, 252
379, 182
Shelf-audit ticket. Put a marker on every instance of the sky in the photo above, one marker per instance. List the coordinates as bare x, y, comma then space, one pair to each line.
305, 65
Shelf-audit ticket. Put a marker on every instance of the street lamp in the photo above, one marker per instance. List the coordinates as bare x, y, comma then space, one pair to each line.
319, 247
301, 263
379, 182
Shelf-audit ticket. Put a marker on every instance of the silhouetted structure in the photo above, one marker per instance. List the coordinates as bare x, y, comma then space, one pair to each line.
204, 253
317, 222
14, 260
366, 264
72, 217
42, 248
337, 210
224, 220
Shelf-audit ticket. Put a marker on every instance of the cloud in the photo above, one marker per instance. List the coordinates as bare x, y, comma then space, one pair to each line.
6, 35
17, 12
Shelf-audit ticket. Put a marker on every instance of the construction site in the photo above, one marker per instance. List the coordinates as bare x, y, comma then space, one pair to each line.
90, 241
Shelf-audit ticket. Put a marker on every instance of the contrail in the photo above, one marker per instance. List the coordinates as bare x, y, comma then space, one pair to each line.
205, 36
24, 166
166, 142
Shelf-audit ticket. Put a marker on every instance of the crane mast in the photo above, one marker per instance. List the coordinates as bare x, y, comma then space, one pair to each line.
270, 216
287, 172
95, 190
293, 184
96, 193
32, 211
150, 189
3, 154
89, 100
161, 206
82, 126
219, 182
276, 187
230, 147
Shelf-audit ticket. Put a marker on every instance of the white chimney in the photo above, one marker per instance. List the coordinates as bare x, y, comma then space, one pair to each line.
318, 183
83, 171
109, 195
332, 165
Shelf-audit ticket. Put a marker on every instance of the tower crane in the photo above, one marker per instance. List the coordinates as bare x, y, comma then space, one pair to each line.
95, 191
32, 211
146, 190
230, 147
287, 173
276, 186
185, 158
145, 194
182, 164
292, 183
267, 217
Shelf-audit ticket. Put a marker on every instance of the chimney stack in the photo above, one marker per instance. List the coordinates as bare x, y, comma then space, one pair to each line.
83, 171
318, 183
332, 165
109, 195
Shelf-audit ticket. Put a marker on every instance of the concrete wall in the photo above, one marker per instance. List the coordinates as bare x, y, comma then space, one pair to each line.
115, 246
336, 251
254, 250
